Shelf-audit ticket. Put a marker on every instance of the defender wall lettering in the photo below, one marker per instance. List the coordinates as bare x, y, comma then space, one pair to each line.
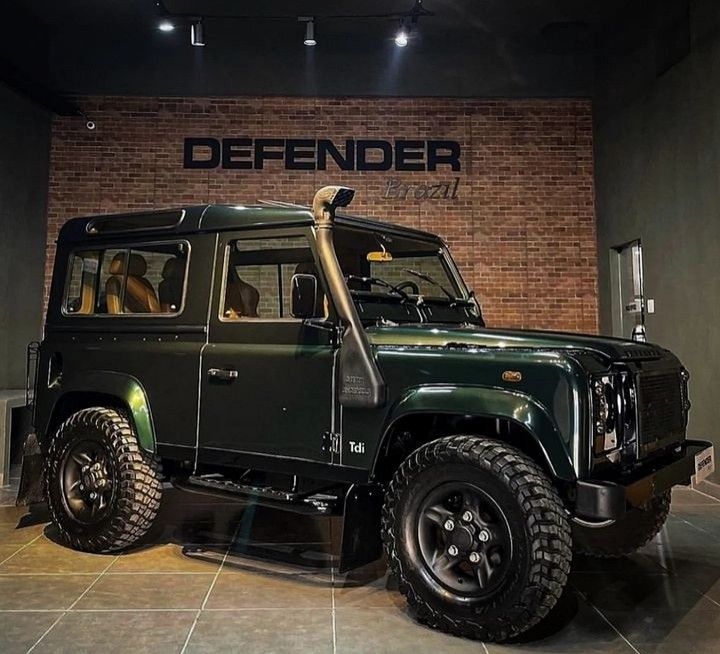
243, 153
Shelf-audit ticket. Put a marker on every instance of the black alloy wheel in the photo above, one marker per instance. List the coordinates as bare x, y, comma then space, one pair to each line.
464, 540
87, 482
103, 489
477, 536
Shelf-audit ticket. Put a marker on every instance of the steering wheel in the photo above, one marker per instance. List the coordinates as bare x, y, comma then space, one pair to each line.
414, 288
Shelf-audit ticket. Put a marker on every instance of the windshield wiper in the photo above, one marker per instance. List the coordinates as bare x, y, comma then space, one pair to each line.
430, 280
379, 282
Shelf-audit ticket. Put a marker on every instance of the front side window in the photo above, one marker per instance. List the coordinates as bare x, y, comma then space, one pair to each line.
259, 279
147, 279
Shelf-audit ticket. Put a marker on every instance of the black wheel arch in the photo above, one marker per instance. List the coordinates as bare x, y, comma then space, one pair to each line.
74, 401
413, 430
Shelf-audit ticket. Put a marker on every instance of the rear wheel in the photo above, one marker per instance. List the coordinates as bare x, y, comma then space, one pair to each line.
626, 535
477, 537
103, 490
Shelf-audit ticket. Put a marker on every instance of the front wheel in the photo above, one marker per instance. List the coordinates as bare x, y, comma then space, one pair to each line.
477, 537
103, 490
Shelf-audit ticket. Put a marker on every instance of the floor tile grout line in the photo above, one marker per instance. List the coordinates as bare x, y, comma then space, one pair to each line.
209, 590
72, 606
607, 620
715, 499
248, 609
687, 522
20, 549
107, 574
333, 617
707, 597
333, 614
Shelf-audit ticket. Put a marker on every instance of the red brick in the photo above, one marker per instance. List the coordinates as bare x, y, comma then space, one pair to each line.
522, 228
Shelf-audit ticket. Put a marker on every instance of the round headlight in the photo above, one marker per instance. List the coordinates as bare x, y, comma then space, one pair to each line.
605, 411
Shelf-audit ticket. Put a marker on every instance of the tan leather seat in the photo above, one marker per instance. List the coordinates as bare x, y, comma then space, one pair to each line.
139, 294
170, 289
241, 298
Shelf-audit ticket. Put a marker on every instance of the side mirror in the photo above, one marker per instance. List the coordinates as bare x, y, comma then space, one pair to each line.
304, 296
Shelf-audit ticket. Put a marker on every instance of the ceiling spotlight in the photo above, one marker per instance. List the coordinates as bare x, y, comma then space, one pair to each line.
309, 30
401, 38
197, 33
166, 26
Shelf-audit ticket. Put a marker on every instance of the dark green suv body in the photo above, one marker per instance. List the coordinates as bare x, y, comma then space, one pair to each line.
332, 364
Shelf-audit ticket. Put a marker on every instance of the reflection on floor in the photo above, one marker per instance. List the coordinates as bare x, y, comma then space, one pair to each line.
217, 577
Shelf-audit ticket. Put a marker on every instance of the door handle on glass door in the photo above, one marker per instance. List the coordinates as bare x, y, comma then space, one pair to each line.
222, 374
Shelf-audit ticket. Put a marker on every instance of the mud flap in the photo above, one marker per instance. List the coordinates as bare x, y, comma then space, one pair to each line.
31, 483
361, 540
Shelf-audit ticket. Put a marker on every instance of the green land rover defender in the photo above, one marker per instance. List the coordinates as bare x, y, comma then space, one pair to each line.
309, 360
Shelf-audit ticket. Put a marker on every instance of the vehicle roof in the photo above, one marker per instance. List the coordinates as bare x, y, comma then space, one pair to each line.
218, 217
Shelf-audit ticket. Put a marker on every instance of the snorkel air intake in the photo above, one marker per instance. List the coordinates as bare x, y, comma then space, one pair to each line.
360, 382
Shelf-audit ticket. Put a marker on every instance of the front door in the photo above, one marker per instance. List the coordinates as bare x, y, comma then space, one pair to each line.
266, 376
628, 294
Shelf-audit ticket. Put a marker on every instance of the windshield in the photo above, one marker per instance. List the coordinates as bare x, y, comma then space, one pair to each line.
401, 279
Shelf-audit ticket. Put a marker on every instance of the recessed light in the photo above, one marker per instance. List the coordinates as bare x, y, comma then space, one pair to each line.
401, 38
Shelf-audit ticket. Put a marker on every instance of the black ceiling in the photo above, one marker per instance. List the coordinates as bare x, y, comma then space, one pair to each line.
517, 20
470, 47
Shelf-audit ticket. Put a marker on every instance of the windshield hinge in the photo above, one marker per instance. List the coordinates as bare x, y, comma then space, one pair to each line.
331, 442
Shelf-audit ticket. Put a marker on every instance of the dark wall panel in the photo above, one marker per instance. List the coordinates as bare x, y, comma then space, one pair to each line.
24, 160
657, 146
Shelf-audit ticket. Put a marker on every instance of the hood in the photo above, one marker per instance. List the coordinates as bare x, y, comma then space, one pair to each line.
429, 335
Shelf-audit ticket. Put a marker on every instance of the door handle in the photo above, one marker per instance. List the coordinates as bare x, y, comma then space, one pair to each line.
222, 374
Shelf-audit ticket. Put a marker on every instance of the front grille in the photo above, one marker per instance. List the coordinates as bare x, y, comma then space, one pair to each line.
660, 402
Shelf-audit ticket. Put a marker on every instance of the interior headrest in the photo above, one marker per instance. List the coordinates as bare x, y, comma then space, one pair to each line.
137, 266
306, 268
173, 268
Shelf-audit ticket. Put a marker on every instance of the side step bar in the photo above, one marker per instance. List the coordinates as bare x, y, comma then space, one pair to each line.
317, 503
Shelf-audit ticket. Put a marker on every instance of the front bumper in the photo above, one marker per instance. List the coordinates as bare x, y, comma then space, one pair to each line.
607, 500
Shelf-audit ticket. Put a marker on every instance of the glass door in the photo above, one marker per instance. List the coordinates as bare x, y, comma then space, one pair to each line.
628, 295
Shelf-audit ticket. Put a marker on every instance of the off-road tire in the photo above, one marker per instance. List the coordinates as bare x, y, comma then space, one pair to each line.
537, 520
626, 535
137, 490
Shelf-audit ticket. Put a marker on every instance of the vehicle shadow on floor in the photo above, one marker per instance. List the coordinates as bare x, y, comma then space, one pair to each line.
653, 593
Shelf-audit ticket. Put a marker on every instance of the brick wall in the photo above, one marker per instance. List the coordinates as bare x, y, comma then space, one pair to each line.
522, 228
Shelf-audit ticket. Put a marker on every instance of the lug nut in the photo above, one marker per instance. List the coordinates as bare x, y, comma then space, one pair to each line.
452, 550
484, 536
449, 525
93, 496
467, 516
474, 557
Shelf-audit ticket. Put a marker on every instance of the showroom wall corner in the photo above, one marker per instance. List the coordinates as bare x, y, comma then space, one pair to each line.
24, 163
657, 138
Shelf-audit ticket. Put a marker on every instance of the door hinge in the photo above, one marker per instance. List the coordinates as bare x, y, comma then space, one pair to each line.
331, 442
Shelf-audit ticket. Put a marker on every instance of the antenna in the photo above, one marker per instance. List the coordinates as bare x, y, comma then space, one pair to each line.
280, 203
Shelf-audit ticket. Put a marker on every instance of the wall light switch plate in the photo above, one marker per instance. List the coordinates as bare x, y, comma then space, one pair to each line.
651, 306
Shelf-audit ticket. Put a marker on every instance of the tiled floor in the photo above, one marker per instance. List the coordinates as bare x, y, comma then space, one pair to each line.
239, 588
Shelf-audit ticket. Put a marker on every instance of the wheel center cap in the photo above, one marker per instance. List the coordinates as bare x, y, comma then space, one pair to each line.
462, 537
94, 479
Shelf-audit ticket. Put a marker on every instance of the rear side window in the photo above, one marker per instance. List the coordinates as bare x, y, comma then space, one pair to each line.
146, 279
